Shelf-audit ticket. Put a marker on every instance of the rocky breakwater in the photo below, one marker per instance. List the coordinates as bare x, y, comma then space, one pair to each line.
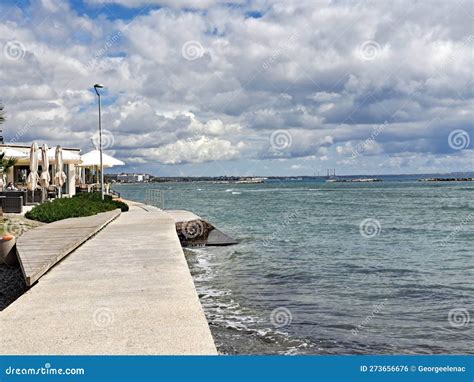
446, 180
193, 231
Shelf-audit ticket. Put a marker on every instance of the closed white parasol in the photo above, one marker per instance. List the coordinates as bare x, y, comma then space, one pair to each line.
32, 180
45, 178
60, 176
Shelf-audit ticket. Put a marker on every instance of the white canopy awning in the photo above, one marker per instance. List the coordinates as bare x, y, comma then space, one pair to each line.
92, 158
12, 153
68, 156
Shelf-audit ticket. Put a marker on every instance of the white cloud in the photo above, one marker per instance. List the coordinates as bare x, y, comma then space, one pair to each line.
200, 4
194, 151
297, 68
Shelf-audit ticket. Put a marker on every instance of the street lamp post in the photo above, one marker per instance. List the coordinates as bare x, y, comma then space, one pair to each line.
98, 86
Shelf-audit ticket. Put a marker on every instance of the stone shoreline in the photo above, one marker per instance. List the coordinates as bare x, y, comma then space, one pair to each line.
12, 284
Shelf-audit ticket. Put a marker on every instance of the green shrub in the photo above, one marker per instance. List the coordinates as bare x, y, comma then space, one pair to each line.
77, 206
122, 205
97, 197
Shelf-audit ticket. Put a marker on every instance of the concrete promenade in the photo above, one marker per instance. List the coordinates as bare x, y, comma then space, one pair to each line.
41, 248
127, 290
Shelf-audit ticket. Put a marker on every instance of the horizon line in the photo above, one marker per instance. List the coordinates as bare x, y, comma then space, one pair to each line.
289, 176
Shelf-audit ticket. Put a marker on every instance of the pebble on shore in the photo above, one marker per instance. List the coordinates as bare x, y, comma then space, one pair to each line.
12, 284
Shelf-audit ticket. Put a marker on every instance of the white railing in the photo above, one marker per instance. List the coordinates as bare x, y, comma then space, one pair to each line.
154, 197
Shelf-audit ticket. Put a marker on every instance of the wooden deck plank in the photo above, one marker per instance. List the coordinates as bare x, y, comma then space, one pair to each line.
41, 248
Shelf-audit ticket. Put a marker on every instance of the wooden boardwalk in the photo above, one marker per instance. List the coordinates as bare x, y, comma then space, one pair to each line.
127, 290
41, 248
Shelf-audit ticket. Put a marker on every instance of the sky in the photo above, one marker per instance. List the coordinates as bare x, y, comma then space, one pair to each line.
240, 87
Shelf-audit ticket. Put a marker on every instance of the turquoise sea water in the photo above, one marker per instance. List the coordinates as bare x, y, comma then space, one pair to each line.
334, 268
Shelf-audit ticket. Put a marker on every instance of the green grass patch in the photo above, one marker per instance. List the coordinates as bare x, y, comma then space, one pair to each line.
77, 206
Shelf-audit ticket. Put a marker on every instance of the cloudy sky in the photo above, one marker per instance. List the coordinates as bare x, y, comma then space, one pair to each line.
245, 87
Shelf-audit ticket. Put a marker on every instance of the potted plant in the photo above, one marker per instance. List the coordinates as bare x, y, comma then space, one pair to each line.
7, 251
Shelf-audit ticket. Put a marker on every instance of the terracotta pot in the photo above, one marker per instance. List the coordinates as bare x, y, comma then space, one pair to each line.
7, 250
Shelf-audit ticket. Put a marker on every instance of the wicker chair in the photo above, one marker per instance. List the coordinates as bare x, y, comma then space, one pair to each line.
15, 193
37, 196
52, 192
81, 188
12, 204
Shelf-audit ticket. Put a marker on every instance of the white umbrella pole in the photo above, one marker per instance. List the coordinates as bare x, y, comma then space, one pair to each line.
56, 170
59, 185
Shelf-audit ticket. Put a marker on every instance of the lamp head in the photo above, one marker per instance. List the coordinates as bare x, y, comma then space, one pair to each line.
98, 86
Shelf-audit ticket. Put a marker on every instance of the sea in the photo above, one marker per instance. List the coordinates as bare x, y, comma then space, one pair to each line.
333, 268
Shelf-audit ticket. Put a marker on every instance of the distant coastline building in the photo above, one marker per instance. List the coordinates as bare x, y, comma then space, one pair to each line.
132, 178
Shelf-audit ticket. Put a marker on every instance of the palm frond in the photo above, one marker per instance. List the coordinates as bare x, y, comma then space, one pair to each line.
6, 164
